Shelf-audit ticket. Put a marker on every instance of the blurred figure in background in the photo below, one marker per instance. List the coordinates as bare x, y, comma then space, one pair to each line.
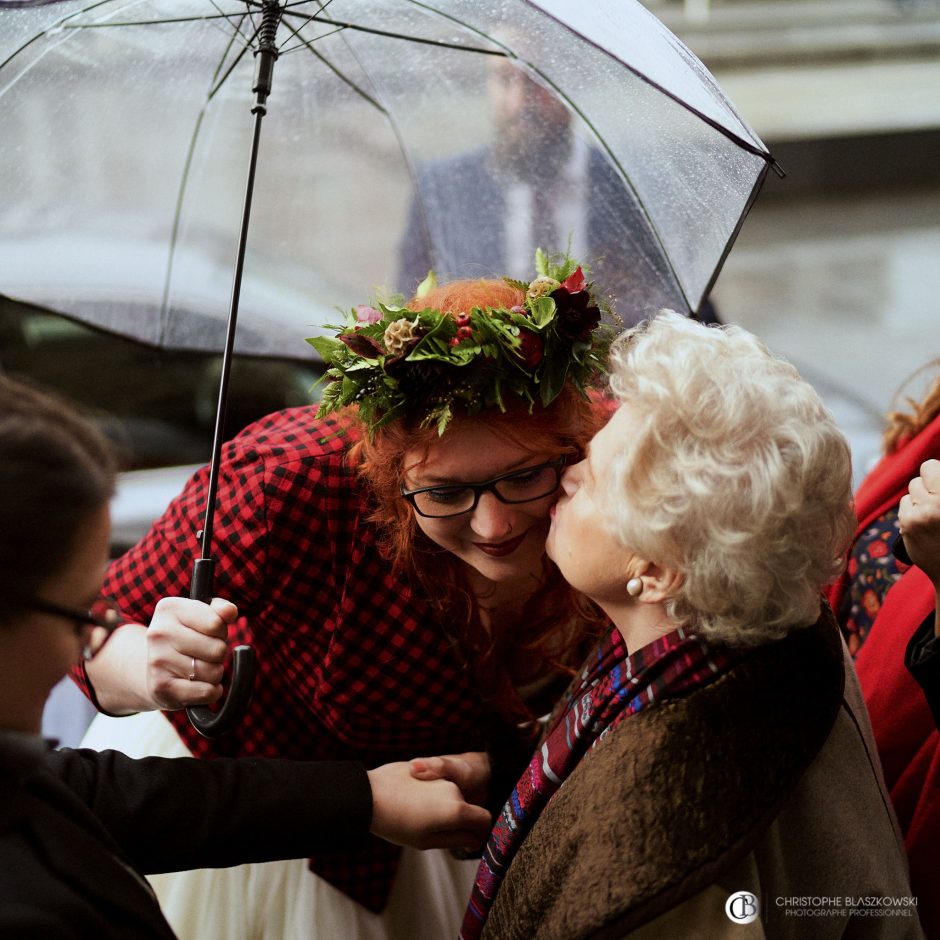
490, 214
887, 610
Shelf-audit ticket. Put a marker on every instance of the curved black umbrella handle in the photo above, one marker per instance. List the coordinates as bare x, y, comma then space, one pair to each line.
212, 724
899, 550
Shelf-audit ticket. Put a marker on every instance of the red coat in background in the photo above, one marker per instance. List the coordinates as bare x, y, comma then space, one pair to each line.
907, 737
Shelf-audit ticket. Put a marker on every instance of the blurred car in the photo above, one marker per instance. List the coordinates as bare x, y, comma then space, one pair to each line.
157, 407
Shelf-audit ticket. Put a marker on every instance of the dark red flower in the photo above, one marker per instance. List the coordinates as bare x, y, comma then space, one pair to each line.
362, 345
531, 348
577, 316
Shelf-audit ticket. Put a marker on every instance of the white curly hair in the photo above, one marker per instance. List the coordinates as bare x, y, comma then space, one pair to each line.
737, 476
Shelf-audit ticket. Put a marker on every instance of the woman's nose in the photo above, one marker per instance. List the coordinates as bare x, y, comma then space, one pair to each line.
492, 519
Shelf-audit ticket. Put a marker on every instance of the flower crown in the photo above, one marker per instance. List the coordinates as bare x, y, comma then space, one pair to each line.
394, 362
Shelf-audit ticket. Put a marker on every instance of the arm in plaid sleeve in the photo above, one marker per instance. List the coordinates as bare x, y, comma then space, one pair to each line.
140, 669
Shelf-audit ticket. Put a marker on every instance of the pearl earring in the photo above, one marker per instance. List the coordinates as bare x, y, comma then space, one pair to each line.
634, 587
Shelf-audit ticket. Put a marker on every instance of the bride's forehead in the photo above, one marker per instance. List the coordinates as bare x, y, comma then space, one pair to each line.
470, 451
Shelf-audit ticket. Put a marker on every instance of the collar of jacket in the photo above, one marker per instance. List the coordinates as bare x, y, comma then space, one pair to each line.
676, 795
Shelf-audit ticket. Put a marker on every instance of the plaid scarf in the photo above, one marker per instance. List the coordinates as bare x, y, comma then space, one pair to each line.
611, 686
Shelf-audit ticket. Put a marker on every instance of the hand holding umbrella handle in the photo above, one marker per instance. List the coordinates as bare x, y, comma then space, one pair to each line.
208, 723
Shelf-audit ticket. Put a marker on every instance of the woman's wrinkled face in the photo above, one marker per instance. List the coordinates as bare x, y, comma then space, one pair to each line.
500, 541
581, 540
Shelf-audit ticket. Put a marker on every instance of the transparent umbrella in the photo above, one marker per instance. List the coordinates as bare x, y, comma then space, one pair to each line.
402, 136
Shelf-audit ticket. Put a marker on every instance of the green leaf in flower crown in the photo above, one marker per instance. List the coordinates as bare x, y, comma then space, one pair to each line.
519, 285
541, 263
326, 346
543, 310
441, 416
564, 268
555, 370
330, 400
433, 344
427, 285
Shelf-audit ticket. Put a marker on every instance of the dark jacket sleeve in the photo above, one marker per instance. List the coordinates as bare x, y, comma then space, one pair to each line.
172, 814
922, 659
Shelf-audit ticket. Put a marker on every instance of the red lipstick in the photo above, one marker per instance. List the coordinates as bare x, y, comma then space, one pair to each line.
502, 549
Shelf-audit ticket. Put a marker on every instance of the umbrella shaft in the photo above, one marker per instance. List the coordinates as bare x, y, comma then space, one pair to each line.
259, 112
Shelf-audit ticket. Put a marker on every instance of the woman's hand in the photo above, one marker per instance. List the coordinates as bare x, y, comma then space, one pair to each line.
919, 519
142, 669
186, 647
470, 771
425, 814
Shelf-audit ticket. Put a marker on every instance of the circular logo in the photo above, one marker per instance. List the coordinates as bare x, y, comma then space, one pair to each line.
742, 907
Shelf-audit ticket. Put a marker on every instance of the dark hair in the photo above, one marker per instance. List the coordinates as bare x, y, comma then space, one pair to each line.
56, 470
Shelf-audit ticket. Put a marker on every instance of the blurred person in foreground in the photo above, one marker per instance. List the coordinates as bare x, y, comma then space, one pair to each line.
887, 607
386, 550
78, 828
712, 764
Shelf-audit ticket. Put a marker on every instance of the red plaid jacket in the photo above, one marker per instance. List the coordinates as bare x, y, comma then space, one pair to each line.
351, 663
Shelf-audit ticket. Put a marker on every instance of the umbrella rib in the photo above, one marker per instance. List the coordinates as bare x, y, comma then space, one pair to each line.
218, 84
159, 22
303, 42
389, 34
237, 28
63, 23
184, 179
308, 44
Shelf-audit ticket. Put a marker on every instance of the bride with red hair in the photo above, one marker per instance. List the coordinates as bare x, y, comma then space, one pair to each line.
386, 552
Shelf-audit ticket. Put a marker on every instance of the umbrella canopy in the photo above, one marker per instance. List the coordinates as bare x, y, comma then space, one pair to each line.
407, 134
125, 124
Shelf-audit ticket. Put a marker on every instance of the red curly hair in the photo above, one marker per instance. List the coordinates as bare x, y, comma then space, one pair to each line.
550, 634
901, 426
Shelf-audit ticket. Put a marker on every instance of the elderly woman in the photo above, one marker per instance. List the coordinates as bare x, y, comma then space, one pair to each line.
711, 769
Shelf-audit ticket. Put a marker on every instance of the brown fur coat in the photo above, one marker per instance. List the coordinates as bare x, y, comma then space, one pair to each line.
766, 780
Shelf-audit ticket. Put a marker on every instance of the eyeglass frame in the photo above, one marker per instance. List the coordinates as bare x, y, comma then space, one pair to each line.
489, 486
83, 618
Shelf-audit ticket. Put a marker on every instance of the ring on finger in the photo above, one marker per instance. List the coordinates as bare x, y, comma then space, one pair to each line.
192, 674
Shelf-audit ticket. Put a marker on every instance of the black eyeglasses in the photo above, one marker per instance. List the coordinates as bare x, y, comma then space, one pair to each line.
104, 617
519, 486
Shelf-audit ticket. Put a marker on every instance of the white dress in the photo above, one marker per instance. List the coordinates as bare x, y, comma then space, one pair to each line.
285, 900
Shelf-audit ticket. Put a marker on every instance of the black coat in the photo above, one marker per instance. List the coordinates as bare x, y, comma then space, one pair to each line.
922, 659
78, 827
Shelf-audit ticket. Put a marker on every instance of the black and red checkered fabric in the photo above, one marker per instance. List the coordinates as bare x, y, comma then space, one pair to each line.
351, 663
